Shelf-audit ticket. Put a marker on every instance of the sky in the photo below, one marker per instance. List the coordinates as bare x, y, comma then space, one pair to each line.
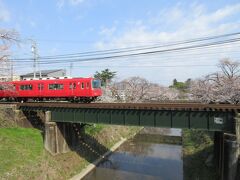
75, 26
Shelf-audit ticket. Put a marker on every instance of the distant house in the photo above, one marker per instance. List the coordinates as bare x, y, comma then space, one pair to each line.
45, 74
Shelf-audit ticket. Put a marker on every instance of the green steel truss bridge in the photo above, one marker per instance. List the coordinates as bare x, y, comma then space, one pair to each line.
212, 117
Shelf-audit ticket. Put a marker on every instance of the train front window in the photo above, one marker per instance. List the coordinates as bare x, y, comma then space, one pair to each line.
96, 83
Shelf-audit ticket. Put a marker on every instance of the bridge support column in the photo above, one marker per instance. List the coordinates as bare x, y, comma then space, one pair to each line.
226, 155
237, 128
59, 137
230, 157
238, 131
218, 150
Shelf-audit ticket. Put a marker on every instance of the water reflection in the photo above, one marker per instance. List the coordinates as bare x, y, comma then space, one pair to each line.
139, 159
162, 131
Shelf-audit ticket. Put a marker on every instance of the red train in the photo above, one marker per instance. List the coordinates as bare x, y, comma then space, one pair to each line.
71, 89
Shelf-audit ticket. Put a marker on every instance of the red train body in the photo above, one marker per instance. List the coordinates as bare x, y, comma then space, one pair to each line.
71, 89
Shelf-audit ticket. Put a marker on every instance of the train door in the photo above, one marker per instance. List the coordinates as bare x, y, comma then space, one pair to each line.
72, 88
40, 89
88, 89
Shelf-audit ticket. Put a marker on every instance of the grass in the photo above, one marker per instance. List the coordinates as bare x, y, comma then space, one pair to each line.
197, 147
94, 129
22, 155
19, 147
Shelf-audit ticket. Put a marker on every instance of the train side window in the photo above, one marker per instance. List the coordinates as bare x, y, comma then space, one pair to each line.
60, 86
26, 87
74, 85
51, 86
22, 87
55, 86
82, 85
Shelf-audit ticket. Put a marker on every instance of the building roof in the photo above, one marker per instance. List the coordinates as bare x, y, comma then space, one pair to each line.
43, 72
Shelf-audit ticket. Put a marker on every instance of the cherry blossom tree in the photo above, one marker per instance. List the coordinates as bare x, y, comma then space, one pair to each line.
137, 89
7, 39
221, 87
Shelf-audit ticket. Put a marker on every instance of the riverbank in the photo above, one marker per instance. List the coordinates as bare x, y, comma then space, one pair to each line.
31, 161
93, 165
198, 155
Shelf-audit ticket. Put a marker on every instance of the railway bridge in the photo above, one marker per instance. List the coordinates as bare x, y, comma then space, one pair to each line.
223, 119
212, 117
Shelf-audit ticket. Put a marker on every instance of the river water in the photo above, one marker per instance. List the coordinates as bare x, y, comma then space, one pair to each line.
143, 158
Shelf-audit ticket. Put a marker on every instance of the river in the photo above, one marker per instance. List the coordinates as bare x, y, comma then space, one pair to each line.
143, 158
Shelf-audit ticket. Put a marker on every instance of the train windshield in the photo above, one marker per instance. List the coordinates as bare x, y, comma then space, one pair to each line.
96, 83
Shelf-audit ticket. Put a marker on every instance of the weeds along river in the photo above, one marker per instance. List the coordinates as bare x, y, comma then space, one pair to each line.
146, 156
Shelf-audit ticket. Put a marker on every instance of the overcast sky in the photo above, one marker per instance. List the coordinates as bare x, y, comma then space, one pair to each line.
72, 26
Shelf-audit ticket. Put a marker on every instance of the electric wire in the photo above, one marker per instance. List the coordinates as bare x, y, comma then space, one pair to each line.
130, 49
199, 46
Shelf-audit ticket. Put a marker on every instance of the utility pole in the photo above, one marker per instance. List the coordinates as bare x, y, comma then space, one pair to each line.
35, 60
71, 67
34, 51
11, 70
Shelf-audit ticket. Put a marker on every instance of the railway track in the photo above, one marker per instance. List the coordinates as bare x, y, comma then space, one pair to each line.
151, 106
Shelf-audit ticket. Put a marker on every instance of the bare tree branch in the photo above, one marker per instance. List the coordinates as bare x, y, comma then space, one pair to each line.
7, 39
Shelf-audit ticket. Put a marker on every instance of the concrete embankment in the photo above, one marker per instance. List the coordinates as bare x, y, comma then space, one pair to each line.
93, 165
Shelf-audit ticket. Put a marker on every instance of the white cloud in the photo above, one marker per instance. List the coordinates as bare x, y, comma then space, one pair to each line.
223, 13
187, 24
62, 3
107, 31
76, 2
4, 13
169, 25
32, 23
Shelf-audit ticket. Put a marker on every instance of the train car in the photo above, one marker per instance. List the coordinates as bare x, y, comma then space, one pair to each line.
70, 89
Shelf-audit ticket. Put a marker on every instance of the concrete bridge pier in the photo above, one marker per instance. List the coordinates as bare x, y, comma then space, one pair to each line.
230, 157
218, 150
59, 137
237, 129
227, 151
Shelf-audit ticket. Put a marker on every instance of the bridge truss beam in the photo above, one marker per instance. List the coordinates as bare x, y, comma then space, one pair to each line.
215, 120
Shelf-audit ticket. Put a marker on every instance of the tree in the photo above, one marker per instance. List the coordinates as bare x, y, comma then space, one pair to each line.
222, 86
7, 38
181, 86
105, 76
174, 82
137, 89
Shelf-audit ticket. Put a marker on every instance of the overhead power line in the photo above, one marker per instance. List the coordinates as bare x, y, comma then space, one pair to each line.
191, 47
131, 49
